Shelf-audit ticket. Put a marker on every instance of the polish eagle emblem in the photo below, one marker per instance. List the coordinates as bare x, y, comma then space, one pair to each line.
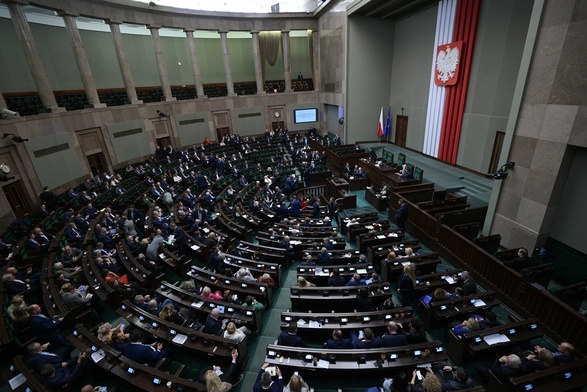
447, 63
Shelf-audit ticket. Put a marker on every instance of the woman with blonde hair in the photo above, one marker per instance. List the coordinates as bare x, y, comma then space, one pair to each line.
391, 257
407, 283
214, 384
296, 384
233, 333
467, 326
431, 382
302, 282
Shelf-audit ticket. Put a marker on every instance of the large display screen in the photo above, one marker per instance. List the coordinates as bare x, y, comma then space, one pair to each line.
305, 116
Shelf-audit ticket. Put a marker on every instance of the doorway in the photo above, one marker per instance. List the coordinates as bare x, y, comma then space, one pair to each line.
277, 125
220, 132
16, 198
97, 163
163, 142
401, 130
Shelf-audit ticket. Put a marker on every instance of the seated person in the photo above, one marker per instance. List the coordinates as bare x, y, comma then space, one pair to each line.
184, 317
395, 335
58, 377
265, 382
115, 337
405, 172
453, 379
289, 336
504, 368
356, 280
441, 294
266, 278
302, 282
542, 361
416, 332
308, 262
489, 320
37, 356
337, 341
233, 333
142, 353
207, 293
364, 303
335, 280
222, 378
521, 262
565, 352
251, 301
365, 339
467, 326
244, 274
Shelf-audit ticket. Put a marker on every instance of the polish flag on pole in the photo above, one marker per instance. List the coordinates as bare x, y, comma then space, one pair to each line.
380, 125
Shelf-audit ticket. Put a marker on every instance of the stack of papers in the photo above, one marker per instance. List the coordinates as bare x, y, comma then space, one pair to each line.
17, 381
180, 339
301, 321
97, 356
380, 237
197, 304
495, 339
362, 271
449, 279
315, 324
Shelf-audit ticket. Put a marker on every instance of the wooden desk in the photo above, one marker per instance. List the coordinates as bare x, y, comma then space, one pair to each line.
324, 323
320, 275
380, 252
376, 360
335, 185
473, 344
203, 306
355, 230
340, 299
425, 262
342, 219
356, 183
376, 173
367, 240
441, 312
379, 202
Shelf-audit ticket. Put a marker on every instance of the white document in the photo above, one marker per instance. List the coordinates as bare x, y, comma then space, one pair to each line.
369, 227
380, 237
197, 304
97, 356
194, 247
449, 279
161, 255
180, 339
301, 321
495, 339
170, 238
404, 263
323, 364
295, 242
17, 381
479, 302
362, 271
315, 324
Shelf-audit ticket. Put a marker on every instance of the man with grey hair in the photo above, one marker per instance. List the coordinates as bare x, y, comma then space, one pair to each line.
466, 284
265, 382
504, 368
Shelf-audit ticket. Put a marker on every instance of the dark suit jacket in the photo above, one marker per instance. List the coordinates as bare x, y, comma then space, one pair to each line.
213, 326
37, 360
469, 287
45, 328
338, 344
394, 340
503, 372
401, 215
287, 339
15, 287
63, 376
142, 354
277, 385
520, 263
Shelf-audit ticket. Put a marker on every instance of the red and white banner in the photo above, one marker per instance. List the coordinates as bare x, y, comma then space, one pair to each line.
448, 60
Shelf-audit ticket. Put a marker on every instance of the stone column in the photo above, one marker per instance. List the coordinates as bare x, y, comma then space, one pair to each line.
161, 67
258, 60
129, 83
551, 120
81, 59
226, 59
316, 65
25, 36
286, 60
189, 35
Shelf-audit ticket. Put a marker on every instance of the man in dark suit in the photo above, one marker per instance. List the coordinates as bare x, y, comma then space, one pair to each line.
521, 262
506, 367
38, 356
58, 377
213, 324
289, 337
46, 329
324, 258
337, 341
401, 216
467, 285
368, 340
295, 207
49, 198
453, 379
142, 353
564, 353
14, 286
394, 336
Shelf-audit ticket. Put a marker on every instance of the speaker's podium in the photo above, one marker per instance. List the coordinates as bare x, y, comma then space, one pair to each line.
339, 189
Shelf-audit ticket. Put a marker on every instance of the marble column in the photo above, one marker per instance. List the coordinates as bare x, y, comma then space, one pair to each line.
81, 59
161, 67
550, 124
129, 83
189, 35
286, 60
258, 65
226, 60
25, 36
316, 65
